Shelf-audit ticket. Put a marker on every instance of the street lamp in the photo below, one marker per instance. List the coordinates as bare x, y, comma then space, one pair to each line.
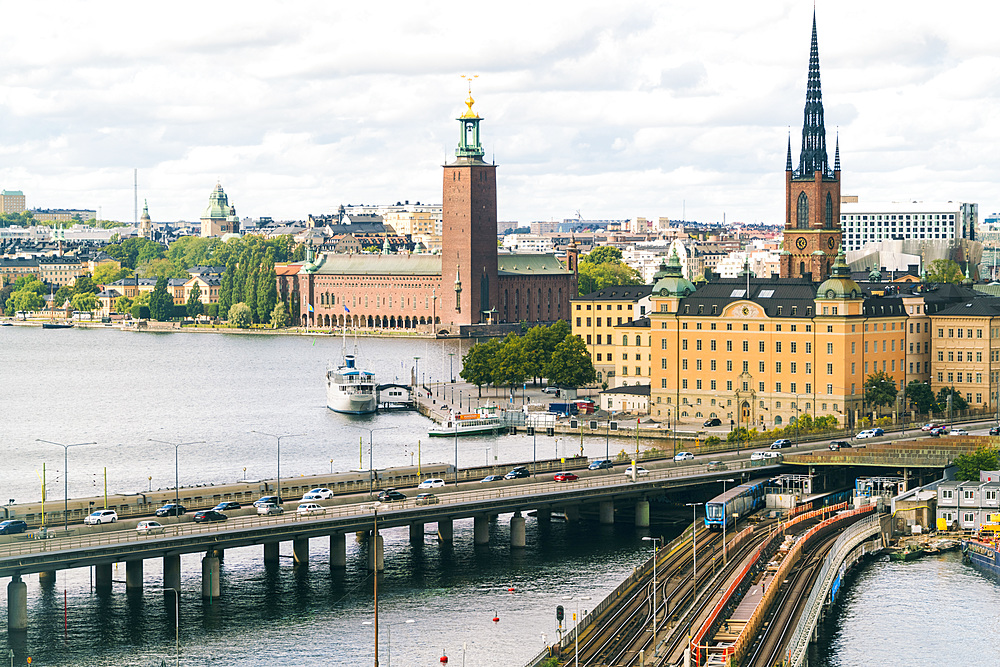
725, 518
416, 369
576, 632
388, 635
65, 474
278, 438
451, 366
371, 469
654, 540
177, 446
694, 559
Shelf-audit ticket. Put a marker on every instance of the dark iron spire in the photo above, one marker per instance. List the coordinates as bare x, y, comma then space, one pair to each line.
836, 154
813, 156
788, 159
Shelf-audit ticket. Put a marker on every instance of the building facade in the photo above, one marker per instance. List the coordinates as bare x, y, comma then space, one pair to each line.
219, 217
12, 201
897, 221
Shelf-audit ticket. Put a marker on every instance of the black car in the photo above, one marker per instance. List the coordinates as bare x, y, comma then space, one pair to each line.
227, 505
995, 430
714, 421
267, 500
781, 443
12, 526
492, 478
518, 473
839, 444
171, 509
390, 496
603, 464
206, 516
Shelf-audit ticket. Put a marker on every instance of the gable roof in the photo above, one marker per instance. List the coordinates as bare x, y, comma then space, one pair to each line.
529, 264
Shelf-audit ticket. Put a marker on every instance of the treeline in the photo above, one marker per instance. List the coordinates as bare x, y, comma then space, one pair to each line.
551, 352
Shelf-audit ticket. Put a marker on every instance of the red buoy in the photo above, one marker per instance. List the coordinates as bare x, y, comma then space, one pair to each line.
510, 590
444, 660
496, 619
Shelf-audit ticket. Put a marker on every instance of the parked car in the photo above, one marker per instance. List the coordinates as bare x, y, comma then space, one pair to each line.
310, 508
683, 456
268, 509
227, 505
564, 477
868, 433
265, 500
518, 472
639, 471
318, 494
714, 421
101, 516
12, 527
717, 465
550, 390
839, 444
171, 509
427, 499
390, 496
958, 431
492, 478
781, 443
995, 430
150, 527
209, 516
601, 464
431, 483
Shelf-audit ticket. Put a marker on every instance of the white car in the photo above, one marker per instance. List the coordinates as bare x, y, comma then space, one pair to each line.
639, 471
861, 435
550, 390
958, 431
684, 456
268, 509
150, 528
318, 494
101, 516
432, 483
310, 508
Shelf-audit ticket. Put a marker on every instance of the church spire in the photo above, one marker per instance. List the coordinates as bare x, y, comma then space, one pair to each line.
836, 155
788, 158
813, 157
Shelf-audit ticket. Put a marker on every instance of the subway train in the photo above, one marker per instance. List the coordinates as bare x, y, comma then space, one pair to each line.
739, 501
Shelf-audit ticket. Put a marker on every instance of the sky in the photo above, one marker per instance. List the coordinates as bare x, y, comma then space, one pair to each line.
613, 110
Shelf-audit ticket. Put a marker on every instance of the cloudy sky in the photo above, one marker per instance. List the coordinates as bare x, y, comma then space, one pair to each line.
613, 109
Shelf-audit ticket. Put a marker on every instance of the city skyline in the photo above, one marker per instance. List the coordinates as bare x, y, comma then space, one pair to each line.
636, 110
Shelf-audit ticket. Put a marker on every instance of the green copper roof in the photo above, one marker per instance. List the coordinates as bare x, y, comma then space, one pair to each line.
363, 264
673, 282
840, 285
529, 264
218, 204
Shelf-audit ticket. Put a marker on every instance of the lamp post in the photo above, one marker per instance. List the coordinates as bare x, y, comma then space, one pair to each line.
416, 369
66, 474
725, 519
278, 438
451, 366
177, 446
694, 560
576, 631
371, 469
388, 636
654, 540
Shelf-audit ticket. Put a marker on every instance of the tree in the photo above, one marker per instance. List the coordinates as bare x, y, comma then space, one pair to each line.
880, 389
162, 267
85, 284
535, 356
592, 277
920, 396
123, 304
969, 465
194, 305
84, 302
24, 299
239, 315
108, 273
944, 271
279, 316
570, 364
509, 362
602, 255
267, 289
62, 295
957, 400
477, 364
161, 304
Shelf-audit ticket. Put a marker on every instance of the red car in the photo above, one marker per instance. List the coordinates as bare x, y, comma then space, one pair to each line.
565, 477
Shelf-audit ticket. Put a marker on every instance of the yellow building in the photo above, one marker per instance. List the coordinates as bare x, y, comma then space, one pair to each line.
60, 270
594, 318
965, 350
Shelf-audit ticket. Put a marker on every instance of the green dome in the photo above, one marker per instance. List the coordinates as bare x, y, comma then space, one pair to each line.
839, 285
218, 204
672, 281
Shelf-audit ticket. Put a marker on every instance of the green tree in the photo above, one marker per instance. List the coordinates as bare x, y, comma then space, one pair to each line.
509, 367
880, 390
84, 302
162, 268
161, 304
279, 316
267, 289
142, 298
920, 396
239, 315
477, 364
571, 365
535, 356
944, 271
958, 401
123, 304
194, 305
24, 299
62, 295
85, 284
226, 287
602, 255
593, 277
969, 465
105, 274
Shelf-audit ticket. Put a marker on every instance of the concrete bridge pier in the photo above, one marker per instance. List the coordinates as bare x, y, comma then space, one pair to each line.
272, 552
642, 514
172, 573
102, 577
133, 575
210, 587
517, 539
572, 513
543, 516
338, 550
416, 533
218, 553
446, 530
481, 529
300, 550
47, 579
376, 555
607, 510
17, 605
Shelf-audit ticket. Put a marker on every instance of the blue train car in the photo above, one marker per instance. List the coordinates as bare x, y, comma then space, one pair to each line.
738, 501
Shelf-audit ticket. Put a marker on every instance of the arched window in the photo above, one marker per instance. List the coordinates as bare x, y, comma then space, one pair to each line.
802, 269
829, 211
638, 340
625, 340
802, 212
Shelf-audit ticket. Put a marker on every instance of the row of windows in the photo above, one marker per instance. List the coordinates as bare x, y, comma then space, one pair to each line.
792, 388
968, 357
968, 333
958, 378
899, 216
627, 306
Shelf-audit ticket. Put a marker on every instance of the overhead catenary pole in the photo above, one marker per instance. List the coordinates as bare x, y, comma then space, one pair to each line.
278, 438
65, 474
176, 446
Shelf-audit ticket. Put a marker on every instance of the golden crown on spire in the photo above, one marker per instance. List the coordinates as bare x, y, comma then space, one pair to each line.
469, 113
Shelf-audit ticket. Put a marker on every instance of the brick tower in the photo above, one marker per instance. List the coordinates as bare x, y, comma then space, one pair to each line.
812, 234
469, 234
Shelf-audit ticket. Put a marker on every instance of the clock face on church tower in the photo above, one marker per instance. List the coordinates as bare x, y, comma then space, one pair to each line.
801, 243
830, 243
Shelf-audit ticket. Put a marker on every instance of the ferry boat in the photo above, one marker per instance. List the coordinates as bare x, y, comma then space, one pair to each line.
486, 420
983, 555
349, 389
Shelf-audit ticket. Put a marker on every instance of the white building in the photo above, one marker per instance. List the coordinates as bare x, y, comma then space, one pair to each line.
528, 243
872, 222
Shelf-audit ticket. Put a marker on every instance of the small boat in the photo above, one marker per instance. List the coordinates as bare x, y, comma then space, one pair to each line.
348, 389
56, 325
908, 554
486, 420
6, 324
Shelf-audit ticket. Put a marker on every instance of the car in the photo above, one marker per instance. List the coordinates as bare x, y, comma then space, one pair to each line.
639, 471
995, 430
101, 516
431, 483
758, 456
550, 390
266, 500
492, 478
390, 496
150, 527
518, 472
601, 464
717, 465
878, 431
683, 456
318, 494
781, 443
564, 477
171, 509
839, 444
227, 505
310, 508
868, 433
958, 431
937, 430
714, 421
12, 527
427, 499
928, 426
209, 516
268, 509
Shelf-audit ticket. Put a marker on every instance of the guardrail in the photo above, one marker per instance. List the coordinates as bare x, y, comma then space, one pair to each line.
854, 543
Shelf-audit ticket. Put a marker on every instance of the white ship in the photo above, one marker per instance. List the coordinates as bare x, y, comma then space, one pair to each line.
485, 420
349, 389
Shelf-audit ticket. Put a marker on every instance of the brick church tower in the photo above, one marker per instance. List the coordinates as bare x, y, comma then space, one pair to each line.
812, 234
469, 234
